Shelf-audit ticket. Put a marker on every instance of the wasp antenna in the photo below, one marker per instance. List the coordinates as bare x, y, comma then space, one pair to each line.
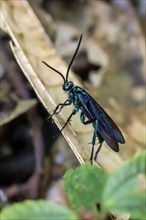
75, 53
55, 70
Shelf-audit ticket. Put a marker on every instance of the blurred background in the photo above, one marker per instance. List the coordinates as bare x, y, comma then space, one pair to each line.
110, 64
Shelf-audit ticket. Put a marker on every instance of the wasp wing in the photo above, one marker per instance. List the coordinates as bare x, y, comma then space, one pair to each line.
107, 121
106, 127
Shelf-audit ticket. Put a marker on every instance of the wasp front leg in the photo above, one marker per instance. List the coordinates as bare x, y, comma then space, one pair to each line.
66, 103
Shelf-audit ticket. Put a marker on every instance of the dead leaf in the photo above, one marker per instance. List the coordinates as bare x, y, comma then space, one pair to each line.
31, 46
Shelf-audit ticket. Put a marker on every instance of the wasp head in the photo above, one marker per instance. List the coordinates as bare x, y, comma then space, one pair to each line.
67, 86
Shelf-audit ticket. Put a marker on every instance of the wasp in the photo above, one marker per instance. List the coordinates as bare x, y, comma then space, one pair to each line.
91, 112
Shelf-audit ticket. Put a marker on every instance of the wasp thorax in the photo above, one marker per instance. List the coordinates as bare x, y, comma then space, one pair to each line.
68, 86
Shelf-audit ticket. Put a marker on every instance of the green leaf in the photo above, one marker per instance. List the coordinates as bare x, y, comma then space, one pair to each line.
84, 186
122, 192
37, 210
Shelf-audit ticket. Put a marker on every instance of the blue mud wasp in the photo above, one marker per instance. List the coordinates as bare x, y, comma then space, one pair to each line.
91, 112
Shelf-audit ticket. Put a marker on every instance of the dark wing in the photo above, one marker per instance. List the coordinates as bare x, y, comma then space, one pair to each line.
107, 128
107, 121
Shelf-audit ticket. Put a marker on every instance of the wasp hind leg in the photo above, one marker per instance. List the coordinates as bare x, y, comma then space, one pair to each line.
95, 157
100, 145
93, 140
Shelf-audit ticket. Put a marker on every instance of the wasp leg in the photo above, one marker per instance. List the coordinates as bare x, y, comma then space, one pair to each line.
95, 157
68, 120
67, 102
75, 110
100, 138
94, 139
82, 118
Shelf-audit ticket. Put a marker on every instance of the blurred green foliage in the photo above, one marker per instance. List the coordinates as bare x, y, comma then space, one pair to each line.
90, 188
36, 210
121, 192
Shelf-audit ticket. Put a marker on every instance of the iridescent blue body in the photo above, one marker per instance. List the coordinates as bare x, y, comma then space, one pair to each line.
91, 112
